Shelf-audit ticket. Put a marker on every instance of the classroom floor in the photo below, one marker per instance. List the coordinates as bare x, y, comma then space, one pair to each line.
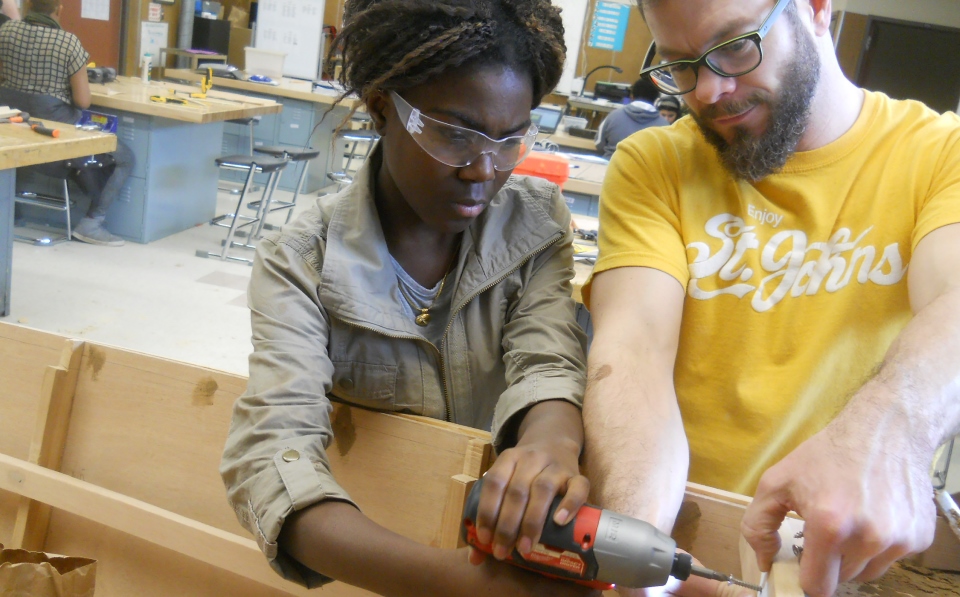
157, 298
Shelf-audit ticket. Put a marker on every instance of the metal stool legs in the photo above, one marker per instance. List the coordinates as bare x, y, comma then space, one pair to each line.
48, 202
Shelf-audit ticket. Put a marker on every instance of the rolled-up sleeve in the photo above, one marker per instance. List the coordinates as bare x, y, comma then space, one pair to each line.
544, 346
275, 460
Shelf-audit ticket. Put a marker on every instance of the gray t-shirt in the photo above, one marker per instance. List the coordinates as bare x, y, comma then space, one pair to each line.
439, 306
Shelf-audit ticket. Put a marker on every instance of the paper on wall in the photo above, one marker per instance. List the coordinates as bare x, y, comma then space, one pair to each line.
95, 9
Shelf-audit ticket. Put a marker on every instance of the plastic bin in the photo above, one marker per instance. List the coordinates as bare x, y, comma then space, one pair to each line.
551, 166
264, 62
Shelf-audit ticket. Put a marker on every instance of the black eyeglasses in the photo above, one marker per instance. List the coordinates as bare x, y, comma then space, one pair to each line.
732, 58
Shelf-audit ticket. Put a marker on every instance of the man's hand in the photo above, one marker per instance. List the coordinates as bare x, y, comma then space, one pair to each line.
864, 492
520, 487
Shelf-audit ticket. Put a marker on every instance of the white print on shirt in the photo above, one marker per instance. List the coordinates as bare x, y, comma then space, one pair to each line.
793, 266
764, 217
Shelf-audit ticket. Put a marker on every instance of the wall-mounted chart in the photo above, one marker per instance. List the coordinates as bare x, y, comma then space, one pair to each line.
294, 27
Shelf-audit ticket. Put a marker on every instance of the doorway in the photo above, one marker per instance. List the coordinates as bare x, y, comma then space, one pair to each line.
909, 60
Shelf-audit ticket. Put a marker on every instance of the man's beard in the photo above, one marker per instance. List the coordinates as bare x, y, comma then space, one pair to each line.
754, 157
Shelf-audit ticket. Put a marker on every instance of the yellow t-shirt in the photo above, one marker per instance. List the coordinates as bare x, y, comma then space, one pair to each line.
795, 285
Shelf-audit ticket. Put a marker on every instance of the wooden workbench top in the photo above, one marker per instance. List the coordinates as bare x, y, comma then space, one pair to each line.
131, 95
20, 146
563, 139
289, 88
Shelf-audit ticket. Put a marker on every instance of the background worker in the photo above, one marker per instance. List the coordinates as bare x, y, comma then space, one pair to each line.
43, 72
777, 296
432, 285
639, 114
669, 107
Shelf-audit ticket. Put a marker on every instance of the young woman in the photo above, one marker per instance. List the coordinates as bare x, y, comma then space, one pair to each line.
436, 285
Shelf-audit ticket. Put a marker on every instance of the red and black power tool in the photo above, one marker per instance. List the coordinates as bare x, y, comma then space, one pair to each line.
599, 549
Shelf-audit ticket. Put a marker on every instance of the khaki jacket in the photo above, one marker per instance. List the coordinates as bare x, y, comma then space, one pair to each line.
328, 324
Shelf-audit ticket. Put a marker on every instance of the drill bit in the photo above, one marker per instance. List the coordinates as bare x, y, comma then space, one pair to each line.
727, 578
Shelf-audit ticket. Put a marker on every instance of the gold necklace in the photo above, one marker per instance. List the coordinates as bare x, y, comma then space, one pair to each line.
422, 319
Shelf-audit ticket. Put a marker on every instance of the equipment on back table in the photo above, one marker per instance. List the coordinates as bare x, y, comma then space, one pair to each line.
599, 549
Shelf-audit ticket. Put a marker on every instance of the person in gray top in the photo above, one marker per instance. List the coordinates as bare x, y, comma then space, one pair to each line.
436, 284
639, 114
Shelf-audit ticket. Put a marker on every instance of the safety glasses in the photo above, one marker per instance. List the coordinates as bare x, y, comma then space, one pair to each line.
459, 147
733, 58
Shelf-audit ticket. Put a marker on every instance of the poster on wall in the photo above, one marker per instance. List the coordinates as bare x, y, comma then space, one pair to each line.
95, 9
153, 37
295, 28
609, 26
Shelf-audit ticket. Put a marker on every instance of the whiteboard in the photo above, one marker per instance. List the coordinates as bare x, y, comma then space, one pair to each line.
294, 27
573, 13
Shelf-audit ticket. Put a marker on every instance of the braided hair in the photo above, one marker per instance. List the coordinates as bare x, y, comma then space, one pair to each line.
399, 44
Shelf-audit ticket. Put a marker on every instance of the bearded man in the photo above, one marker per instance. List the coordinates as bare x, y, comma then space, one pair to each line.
752, 304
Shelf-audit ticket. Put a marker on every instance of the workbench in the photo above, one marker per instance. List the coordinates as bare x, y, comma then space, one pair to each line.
563, 139
304, 121
20, 146
173, 186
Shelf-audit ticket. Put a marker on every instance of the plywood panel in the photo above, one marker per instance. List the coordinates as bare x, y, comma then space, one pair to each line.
24, 354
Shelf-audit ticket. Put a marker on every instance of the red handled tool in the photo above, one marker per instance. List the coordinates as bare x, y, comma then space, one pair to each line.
39, 128
599, 549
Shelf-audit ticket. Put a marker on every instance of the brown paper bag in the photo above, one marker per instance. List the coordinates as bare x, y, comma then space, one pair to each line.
36, 574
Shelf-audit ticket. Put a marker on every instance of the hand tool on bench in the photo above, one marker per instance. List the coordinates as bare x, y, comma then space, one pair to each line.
22, 117
599, 549
163, 99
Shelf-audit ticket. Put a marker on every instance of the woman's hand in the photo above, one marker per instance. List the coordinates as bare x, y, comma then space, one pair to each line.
519, 488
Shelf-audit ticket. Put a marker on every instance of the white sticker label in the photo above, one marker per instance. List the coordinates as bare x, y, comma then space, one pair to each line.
128, 119
414, 124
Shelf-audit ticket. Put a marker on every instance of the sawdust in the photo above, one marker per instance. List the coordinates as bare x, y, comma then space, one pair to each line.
906, 580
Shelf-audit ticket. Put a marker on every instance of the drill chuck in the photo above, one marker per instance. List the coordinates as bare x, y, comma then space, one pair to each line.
633, 553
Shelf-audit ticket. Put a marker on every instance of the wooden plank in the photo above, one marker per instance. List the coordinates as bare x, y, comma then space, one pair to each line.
460, 486
49, 438
478, 458
21, 146
140, 519
25, 355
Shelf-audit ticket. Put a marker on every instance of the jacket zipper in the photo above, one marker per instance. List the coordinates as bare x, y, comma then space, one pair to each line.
447, 407
443, 375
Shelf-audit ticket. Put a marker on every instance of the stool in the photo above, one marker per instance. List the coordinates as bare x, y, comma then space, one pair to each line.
249, 123
344, 176
252, 165
60, 170
294, 156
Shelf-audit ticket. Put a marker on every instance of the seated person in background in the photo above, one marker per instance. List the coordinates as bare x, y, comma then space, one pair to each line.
434, 285
639, 114
669, 107
43, 72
